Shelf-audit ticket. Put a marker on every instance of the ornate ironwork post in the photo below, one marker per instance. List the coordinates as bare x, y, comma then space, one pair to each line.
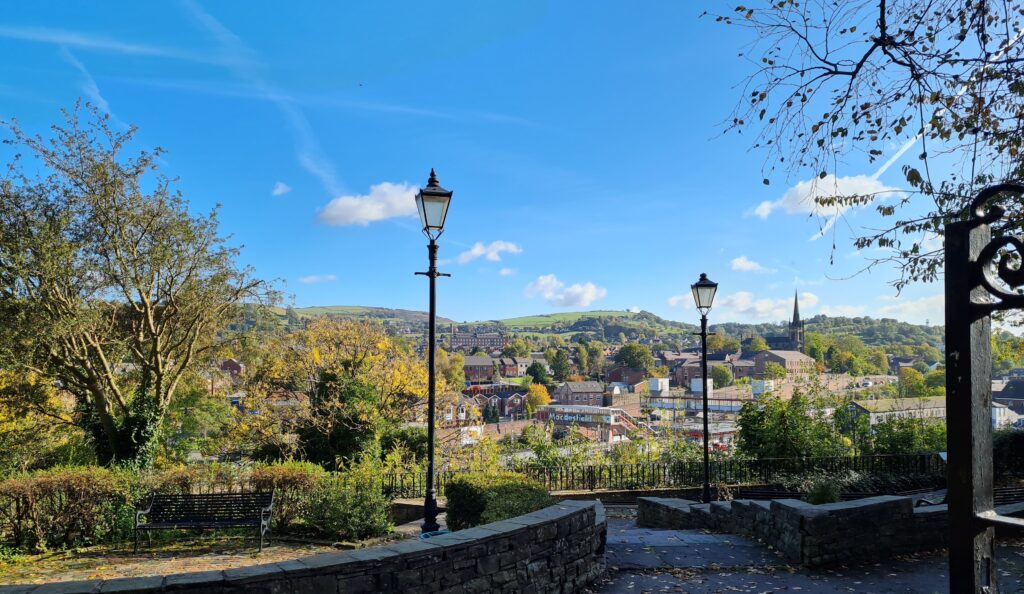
976, 285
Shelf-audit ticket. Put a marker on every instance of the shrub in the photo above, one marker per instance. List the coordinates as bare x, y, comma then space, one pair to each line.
1007, 445
475, 499
823, 491
351, 505
62, 507
294, 484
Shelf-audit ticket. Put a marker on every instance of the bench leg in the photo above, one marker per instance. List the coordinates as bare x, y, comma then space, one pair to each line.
260, 529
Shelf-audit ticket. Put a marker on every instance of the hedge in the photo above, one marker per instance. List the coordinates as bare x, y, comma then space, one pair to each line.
475, 499
66, 507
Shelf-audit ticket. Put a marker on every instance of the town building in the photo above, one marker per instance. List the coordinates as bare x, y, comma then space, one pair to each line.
579, 393
488, 341
478, 369
795, 340
626, 375
884, 409
794, 362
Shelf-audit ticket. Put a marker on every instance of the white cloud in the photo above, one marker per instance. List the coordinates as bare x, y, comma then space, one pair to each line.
742, 305
95, 42
916, 311
745, 264
280, 189
506, 272
312, 279
850, 311
635, 309
685, 300
578, 295
491, 252
800, 199
385, 201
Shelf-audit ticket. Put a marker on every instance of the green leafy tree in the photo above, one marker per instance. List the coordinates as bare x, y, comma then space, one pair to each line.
757, 345
517, 347
108, 284
774, 428
721, 375
537, 373
908, 436
911, 383
774, 371
583, 357
635, 355
561, 368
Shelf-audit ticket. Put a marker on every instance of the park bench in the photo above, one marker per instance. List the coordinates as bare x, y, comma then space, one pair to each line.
207, 510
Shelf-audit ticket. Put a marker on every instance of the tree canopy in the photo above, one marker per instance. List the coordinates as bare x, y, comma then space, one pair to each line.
108, 284
942, 79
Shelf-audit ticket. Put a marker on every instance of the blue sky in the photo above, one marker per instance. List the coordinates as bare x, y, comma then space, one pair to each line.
584, 147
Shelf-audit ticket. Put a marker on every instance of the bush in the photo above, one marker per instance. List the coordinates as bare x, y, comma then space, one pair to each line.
62, 507
294, 484
351, 505
1007, 445
475, 499
823, 491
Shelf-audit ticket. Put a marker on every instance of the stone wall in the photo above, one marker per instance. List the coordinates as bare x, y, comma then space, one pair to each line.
860, 530
557, 549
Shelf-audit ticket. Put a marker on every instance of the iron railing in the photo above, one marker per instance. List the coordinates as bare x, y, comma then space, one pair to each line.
652, 475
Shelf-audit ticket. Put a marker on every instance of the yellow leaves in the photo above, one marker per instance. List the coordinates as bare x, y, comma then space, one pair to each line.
316, 356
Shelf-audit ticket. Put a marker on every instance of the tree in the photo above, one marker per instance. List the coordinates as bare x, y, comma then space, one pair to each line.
560, 365
108, 285
453, 367
517, 347
537, 373
635, 355
911, 383
361, 384
536, 396
721, 375
757, 345
774, 428
583, 357
943, 78
908, 436
774, 371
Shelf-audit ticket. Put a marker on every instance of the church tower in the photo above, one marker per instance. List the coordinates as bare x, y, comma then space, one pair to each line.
796, 327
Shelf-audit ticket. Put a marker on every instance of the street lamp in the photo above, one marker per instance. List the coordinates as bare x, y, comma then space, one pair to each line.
432, 203
703, 295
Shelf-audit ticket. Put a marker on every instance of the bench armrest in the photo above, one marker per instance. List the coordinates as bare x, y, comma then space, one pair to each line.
140, 513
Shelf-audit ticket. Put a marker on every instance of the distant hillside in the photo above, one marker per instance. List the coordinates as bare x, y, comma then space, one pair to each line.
603, 325
382, 314
873, 331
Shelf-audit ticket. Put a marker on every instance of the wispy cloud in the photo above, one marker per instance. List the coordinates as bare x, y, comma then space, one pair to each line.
62, 37
745, 264
556, 293
385, 201
280, 189
89, 87
242, 63
491, 252
506, 272
313, 279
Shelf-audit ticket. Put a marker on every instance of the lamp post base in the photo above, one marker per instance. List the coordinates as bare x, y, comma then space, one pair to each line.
430, 515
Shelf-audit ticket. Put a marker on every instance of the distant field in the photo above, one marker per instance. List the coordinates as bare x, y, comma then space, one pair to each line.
540, 321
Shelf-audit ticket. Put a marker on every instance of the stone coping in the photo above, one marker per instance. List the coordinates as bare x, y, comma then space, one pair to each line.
340, 571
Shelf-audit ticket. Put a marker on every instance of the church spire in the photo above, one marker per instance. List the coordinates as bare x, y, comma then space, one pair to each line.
796, 309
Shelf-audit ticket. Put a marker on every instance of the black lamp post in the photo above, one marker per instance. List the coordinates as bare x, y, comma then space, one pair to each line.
703, 294
432, 203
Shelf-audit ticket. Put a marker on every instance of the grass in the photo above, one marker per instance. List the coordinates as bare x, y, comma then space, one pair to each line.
540, 321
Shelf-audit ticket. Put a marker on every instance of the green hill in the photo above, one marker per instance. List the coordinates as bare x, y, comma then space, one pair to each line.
382, 314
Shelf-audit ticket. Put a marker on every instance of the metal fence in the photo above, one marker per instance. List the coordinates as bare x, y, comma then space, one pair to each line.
653, 475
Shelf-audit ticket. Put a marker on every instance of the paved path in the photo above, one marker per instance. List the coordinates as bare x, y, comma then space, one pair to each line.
642, 560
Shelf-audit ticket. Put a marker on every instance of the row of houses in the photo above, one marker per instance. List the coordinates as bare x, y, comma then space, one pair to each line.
482, 368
